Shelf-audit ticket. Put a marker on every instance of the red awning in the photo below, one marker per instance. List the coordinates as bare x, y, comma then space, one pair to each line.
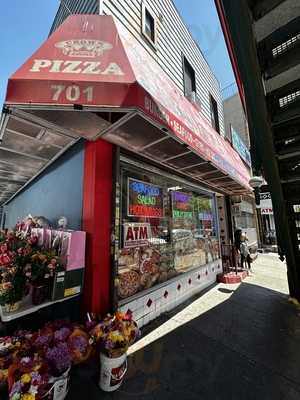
92, 65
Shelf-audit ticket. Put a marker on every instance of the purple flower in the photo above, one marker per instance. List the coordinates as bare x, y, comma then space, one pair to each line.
17, 387
108, 344
42, 340
59, 358
62, 334
79, 343
26, 362
36, 378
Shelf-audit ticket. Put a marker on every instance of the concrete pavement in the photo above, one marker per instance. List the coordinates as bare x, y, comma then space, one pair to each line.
232, 342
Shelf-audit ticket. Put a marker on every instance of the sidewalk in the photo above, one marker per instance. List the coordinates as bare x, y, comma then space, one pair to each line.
233, 342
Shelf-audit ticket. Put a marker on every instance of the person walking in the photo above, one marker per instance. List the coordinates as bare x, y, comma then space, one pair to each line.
245, 253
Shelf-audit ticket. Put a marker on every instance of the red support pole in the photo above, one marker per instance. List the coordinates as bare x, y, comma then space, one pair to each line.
96, 221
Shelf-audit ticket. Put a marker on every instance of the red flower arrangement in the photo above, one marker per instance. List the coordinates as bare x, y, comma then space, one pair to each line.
23, 263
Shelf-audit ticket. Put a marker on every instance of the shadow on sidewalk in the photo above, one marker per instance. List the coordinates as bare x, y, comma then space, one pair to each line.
247, 347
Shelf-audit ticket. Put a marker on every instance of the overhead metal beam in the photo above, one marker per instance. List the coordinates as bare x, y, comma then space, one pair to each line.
277, 17
239, 27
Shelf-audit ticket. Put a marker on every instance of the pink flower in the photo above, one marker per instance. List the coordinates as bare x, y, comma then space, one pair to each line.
28, 274
33, 240
27, 251
3, 248
7, 285
20, 251
5, 259
53, 262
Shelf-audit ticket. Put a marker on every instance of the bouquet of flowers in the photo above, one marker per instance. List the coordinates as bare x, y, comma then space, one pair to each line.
22, 265
115, 334
29, 379
61, 344
42, 266
12, 287
14, 255
12, 350
6, 347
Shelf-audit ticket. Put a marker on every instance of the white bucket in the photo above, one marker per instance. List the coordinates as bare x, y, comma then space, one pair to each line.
112, 372
60, 387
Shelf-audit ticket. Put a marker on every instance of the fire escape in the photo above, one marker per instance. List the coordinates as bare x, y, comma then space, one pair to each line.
263, 39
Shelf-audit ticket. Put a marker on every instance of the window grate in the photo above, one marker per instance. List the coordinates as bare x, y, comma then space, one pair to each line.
291, 98
286, 46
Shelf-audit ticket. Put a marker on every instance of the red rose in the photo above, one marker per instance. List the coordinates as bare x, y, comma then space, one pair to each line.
5, 259
3, 248
33, 240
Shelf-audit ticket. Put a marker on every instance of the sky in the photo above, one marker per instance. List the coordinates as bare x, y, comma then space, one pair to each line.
25, 24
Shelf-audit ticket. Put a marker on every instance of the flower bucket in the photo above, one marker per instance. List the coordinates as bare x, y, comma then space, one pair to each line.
112, 372
59, 387
39, 294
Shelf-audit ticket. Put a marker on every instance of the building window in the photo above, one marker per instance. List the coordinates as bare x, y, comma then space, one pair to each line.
148, 25
214, 113
189, 79
167, 229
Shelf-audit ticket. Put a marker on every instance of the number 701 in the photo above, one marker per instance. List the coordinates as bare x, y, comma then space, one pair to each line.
71, 93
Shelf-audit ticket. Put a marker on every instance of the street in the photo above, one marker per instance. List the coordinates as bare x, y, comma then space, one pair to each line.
233, 342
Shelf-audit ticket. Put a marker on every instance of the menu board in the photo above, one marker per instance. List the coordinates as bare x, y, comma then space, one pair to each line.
144, 199
182, 205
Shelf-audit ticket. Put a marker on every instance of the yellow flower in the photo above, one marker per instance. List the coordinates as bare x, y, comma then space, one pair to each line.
26, 378
115, 336
28, 396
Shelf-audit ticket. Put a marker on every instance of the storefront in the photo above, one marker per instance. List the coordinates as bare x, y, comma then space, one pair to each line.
152, 164
168, 239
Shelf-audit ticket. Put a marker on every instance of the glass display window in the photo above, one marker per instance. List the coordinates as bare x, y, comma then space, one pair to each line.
166, 229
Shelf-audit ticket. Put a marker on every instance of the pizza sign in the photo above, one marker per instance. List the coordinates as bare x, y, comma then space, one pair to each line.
136, 234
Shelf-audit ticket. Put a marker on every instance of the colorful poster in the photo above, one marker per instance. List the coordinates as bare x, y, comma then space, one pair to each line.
144, 199
136, 234
182, 205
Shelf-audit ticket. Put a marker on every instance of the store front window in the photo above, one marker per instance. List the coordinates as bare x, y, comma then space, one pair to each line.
166, 229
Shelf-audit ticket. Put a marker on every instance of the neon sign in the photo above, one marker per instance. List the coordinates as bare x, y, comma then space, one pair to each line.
144, 199
182, 206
